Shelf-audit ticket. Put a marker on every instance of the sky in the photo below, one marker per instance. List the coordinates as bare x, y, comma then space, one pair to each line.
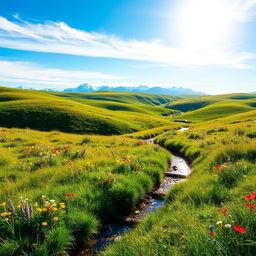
204, 45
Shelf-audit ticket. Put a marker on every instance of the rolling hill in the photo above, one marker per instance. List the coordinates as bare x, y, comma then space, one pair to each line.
214, 107
96, 113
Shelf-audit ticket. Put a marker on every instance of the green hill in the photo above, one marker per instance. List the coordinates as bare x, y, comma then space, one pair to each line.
200, 102
214, 107
72, 113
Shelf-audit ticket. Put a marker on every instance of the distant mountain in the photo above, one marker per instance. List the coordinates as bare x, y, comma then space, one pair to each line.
80, 88
142, 88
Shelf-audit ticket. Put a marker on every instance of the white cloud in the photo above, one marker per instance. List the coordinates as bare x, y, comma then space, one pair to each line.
58, 37
30, 74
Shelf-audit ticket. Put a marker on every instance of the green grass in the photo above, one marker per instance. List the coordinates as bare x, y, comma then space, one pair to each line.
223, 162
107, 175
203, 101
44, 111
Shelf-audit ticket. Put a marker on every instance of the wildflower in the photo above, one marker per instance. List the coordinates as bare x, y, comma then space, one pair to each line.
44, 224
212, 233
55, 219
3, 204
70, 164
42, 198
254, 194
249, 197
54, 205
38, 209
18, 206
101, 182
239, 229
211, 227
52, 201
219, 222
250, 206
218, 167
44, 209
227, 226
36, 204
226, 164
68, 195
108, 180
224, 210
54, 209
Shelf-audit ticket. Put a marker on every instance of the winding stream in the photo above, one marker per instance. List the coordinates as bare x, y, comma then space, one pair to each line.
178, 172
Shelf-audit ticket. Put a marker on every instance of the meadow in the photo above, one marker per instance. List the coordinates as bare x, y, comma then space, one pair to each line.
57, 189
212, 213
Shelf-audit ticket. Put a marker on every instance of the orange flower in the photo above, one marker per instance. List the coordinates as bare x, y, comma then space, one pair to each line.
55, 219
38, 209
54, 209
45, 210
44, 224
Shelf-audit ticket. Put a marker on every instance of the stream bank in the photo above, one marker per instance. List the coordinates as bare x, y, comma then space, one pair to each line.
109, 233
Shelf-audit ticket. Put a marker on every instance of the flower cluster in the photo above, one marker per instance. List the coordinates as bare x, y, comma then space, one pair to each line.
129, 163
107, 182
251, 198
217, 168
44, 212
222, 225
3, 137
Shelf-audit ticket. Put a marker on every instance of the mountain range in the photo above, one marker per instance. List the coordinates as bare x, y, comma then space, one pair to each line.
143, 88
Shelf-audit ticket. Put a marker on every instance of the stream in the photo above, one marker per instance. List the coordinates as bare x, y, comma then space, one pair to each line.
109, 233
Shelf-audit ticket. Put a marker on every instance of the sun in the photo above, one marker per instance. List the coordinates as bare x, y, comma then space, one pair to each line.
205, 24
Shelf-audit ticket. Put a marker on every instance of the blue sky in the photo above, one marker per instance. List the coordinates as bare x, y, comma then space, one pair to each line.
205, 45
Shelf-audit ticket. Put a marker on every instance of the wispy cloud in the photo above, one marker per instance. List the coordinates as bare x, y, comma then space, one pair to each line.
30, 74
58, 37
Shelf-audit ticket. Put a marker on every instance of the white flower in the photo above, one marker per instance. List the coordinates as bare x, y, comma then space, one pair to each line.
228, 226
219, 222
52, 201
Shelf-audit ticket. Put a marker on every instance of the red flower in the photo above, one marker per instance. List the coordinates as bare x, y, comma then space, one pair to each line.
68, 195
254, 194
226, 164
224, 210
239, 229
108, 180
249, 197
213, 171
218, 167
101, 182
250, 206
212, 234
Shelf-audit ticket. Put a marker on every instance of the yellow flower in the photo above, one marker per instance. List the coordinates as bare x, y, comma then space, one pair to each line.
44, 224
62, 206
5, 214
54, 209
55, 219
3, 204
38, 209
54, 205
18, 206
36, 204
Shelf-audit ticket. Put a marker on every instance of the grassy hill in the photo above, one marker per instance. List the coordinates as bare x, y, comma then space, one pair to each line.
200, 102
73, 112
214, 107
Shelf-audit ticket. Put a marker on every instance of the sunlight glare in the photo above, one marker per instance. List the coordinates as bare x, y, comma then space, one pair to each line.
205, 24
